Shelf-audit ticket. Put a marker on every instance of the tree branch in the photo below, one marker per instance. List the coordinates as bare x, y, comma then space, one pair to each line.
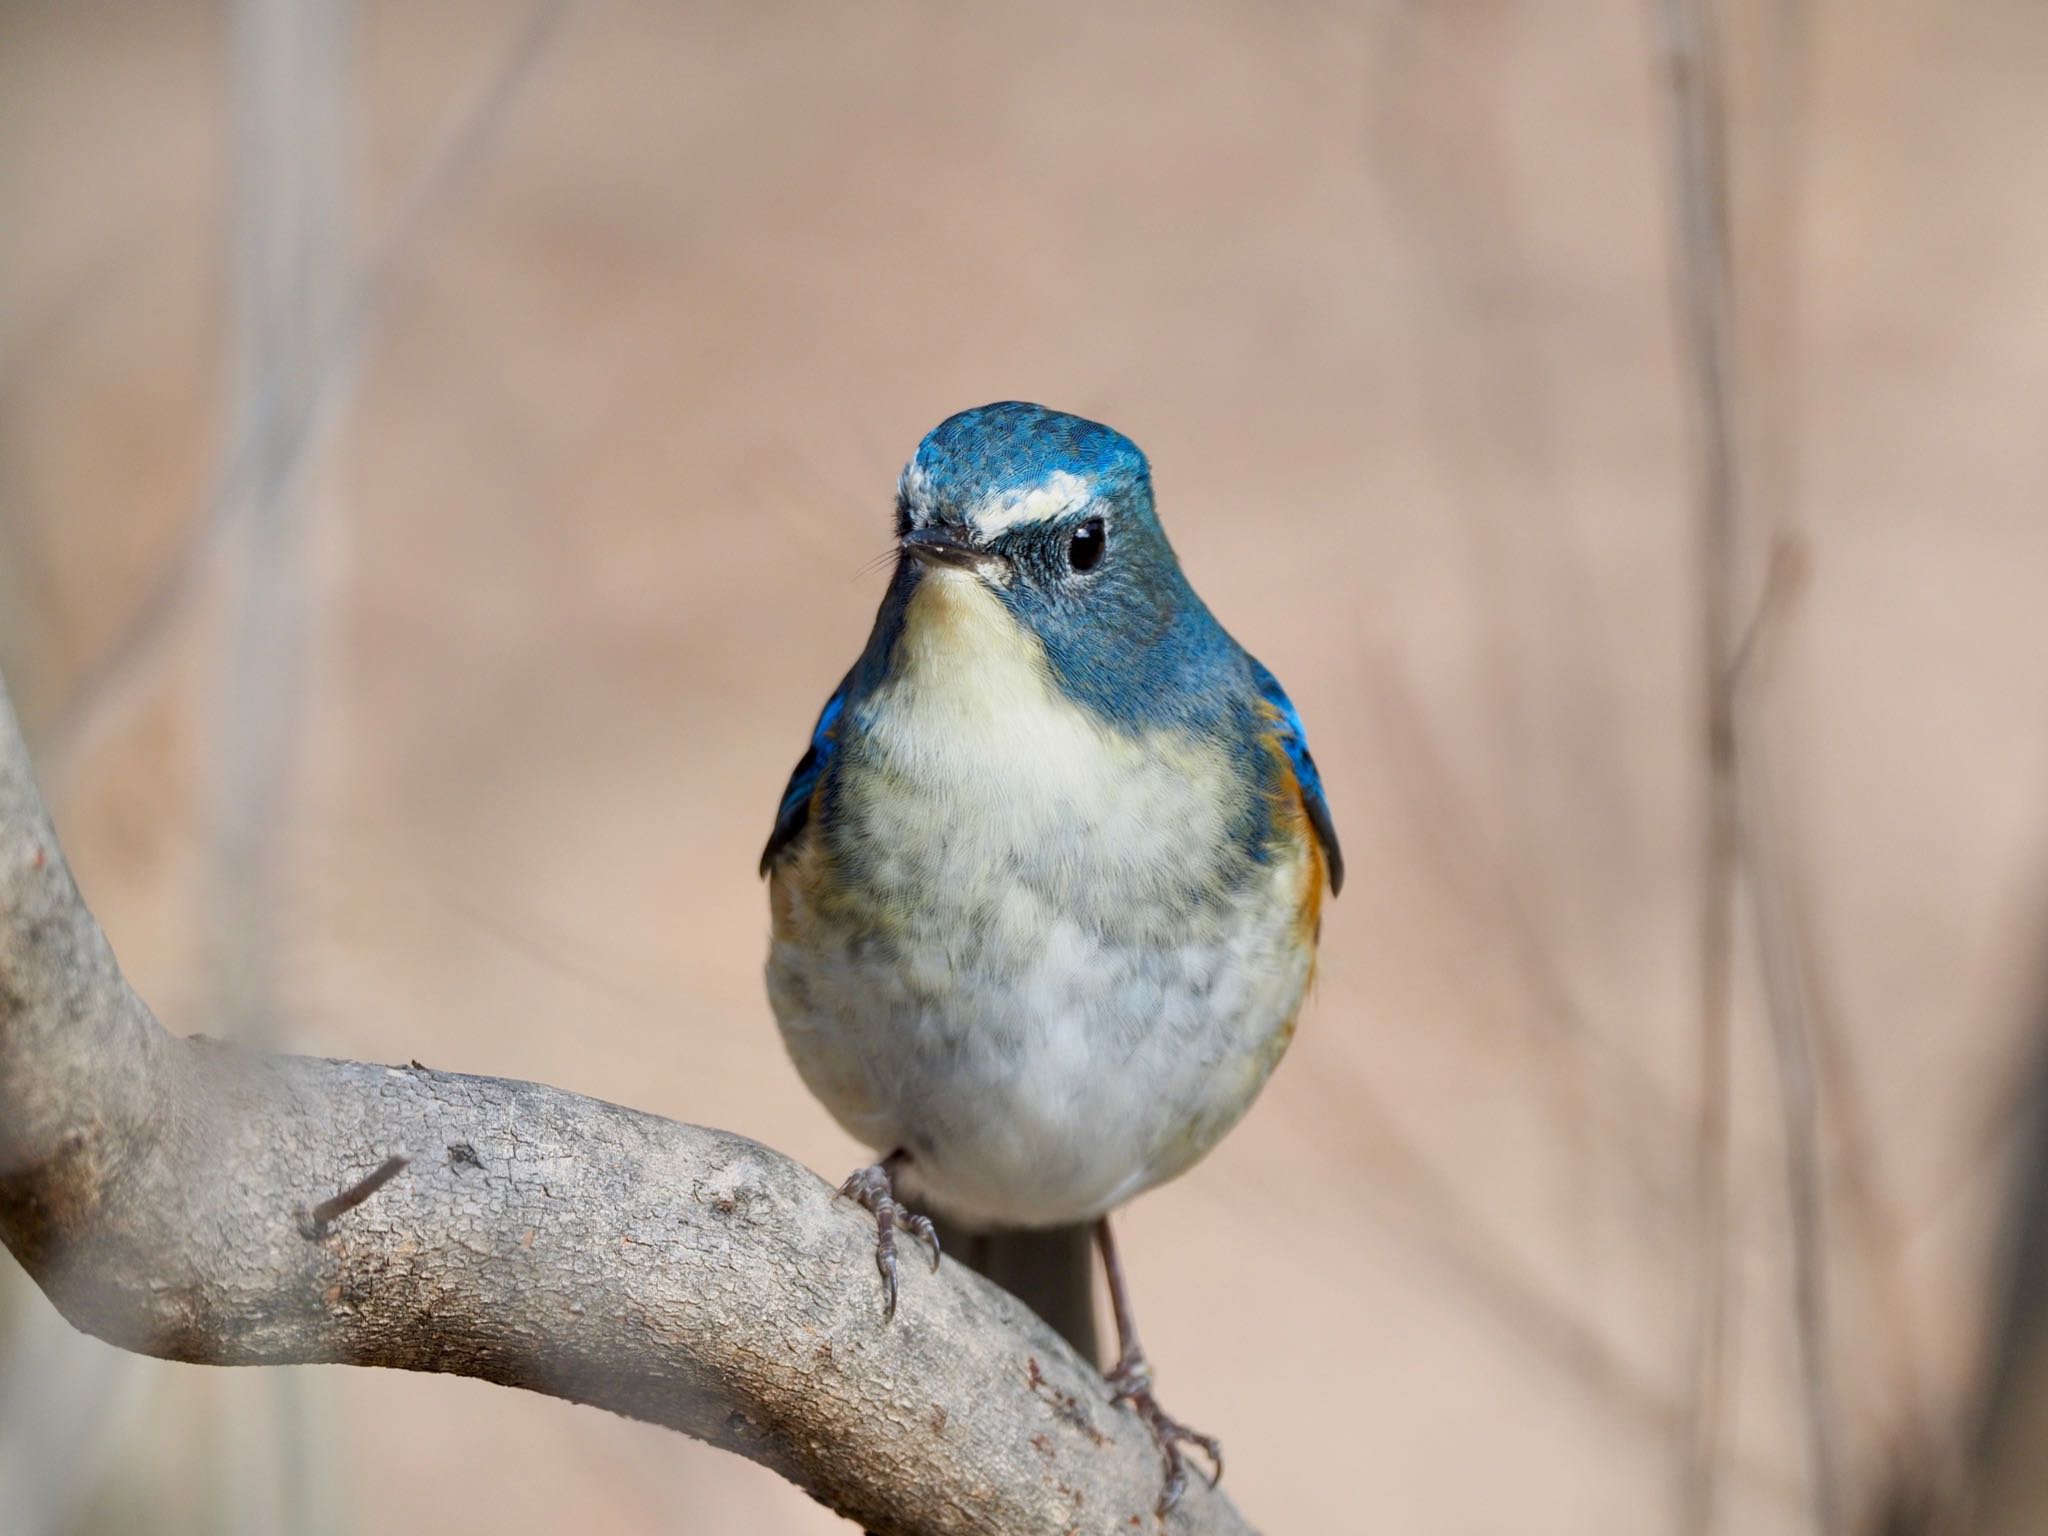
163, 1194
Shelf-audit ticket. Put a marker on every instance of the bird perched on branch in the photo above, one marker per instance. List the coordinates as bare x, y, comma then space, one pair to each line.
1046, 883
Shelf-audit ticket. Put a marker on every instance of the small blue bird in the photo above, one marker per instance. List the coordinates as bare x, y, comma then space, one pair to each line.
1046, 885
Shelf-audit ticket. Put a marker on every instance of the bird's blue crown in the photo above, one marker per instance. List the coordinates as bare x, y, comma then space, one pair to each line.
997, 453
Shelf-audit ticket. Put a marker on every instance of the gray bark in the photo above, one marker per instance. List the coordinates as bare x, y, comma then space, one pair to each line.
168, 1194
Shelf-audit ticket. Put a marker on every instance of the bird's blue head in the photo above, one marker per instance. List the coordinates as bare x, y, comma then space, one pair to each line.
1052, 516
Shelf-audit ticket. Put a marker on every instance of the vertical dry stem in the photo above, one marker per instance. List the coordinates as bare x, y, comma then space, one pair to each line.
1692, 107
1741, 828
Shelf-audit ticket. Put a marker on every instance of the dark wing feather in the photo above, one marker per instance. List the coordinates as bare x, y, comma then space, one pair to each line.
1295, 740
795, 808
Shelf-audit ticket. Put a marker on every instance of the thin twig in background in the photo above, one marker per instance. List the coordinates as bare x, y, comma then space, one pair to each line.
1741, 826
1692, 110
1780, 958
1770, 219
450, 169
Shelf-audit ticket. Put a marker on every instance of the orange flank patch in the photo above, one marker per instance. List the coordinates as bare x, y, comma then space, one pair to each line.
1290, 820
798, 872
791, 883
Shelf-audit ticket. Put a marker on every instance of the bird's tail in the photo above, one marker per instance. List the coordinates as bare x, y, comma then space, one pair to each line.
1052, 1271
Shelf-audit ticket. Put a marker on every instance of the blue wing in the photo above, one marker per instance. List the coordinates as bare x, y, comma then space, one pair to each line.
1295, 740
795, 809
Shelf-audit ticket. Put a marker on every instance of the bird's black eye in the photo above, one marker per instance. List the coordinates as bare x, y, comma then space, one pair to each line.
1084, 549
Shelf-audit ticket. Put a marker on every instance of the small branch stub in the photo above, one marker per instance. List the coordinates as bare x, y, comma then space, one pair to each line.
314, 1223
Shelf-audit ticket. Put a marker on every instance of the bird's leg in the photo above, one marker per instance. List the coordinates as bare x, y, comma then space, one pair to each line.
1131, 1378
873, 1189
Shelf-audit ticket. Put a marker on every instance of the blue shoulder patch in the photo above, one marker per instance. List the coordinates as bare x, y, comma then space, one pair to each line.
795, 809
1295, 740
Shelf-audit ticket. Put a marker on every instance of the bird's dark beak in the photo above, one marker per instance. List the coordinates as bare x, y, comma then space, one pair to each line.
943, 546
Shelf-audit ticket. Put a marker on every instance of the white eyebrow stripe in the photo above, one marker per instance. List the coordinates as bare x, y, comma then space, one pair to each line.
1059, 494
915, 487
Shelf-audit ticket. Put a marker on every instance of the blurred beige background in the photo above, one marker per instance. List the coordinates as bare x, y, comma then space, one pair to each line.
1384, 291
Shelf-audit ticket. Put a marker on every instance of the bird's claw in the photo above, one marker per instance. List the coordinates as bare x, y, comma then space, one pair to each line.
1131, 1382
871, 1189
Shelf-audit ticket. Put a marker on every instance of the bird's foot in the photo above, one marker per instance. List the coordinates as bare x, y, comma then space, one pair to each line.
871, 1188
1131, 1381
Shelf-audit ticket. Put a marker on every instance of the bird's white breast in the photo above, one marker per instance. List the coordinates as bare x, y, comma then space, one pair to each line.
1030, 950
972, 722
